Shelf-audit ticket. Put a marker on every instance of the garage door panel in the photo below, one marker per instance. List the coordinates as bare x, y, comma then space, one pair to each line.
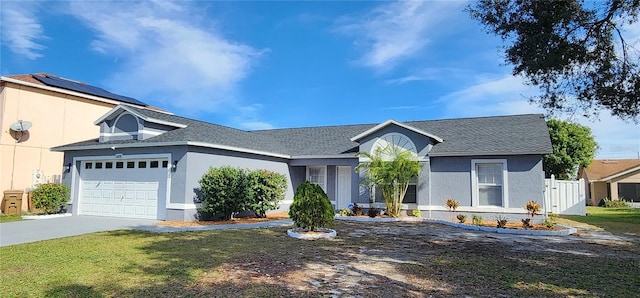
123, 192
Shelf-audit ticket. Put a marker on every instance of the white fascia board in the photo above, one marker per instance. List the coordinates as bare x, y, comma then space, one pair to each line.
456, 154
238, 149
323, 156
391, 121
614, 176
179, 143
143, 117
117, 146
64, 91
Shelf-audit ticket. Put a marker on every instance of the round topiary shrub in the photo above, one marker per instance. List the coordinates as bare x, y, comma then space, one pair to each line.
311, 208
50, 197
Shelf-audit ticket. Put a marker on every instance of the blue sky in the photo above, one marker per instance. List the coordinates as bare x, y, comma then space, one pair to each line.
276, 64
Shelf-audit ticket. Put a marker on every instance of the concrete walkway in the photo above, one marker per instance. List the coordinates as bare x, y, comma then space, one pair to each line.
27, 231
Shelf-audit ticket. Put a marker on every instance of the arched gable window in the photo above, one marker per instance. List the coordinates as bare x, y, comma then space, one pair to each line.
389, 144
126, 125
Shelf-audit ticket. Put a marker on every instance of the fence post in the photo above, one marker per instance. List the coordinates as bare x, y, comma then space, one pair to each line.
552, 187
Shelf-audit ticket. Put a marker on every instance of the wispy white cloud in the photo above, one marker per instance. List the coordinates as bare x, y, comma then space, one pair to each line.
497, 96
169, 54
507, 95
407, 79
247, 117
21, 29
396, 31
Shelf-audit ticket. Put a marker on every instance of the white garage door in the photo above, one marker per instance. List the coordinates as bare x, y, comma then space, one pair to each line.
124, 188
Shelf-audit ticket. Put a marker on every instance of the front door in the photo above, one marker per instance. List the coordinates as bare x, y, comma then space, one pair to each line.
343, 189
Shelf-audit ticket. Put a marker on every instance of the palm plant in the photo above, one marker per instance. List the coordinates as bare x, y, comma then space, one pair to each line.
391, 171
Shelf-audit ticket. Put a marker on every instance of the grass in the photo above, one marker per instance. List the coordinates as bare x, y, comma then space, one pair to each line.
10, 218
614, 220
366, 259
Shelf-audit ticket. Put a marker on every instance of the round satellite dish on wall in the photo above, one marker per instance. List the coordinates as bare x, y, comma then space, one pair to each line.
20, 125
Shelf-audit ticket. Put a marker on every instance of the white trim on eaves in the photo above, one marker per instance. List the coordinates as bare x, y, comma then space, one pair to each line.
162, 144
391, 121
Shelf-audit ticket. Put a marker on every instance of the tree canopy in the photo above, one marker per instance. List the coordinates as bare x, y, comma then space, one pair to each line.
574, 51
573, 146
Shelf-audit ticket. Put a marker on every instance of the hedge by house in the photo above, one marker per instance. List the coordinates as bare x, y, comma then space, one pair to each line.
227, 191
50, 197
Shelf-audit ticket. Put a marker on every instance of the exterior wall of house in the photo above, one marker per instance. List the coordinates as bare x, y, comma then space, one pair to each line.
198, 162
57, 119
628, 178
597, 192
451, 178
331, 174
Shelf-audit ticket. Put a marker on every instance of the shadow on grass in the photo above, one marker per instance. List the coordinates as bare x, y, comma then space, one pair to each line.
73, 291
366, 259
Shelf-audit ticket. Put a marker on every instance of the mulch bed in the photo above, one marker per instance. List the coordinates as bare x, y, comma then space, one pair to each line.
242, 220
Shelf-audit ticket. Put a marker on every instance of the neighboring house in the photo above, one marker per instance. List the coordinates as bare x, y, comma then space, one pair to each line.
147, 164
59, 110
612, 178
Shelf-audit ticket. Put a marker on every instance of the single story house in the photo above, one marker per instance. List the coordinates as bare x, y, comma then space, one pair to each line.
147, 164
612, 178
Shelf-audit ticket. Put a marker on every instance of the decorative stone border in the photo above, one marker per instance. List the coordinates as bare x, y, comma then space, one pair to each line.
565, 231
45, 216
328, 233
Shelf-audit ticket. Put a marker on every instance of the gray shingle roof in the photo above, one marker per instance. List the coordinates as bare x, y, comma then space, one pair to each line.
501, 135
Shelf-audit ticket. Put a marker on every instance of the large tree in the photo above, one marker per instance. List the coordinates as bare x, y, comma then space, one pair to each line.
574, 51
391, 169
573, 146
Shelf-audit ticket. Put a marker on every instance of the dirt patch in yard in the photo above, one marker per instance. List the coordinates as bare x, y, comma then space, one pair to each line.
419, 259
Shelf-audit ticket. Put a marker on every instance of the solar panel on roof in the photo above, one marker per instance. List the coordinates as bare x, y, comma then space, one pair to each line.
84, 88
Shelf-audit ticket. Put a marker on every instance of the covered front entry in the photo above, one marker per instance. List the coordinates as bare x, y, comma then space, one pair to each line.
135, 188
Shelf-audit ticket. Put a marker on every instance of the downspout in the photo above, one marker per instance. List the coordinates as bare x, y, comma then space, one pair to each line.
429, 186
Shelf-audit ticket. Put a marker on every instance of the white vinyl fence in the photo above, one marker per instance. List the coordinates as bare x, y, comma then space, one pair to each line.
565, 197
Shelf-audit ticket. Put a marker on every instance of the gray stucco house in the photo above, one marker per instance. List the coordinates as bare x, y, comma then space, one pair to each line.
146, 164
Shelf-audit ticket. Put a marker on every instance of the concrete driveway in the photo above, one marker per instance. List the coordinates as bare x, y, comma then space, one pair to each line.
26, 231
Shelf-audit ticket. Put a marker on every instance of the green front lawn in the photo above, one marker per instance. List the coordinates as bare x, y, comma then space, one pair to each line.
9, 218
367, 259
614, 220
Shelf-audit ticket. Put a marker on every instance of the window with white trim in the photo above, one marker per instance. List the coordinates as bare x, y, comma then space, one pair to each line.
317, 175
489, 180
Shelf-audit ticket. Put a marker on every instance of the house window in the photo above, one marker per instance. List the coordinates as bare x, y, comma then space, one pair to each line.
317, 175
410, 197
131, 164
629, 191
489, 180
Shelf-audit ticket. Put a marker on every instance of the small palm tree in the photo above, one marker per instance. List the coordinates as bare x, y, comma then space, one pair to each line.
452, 204
391, 170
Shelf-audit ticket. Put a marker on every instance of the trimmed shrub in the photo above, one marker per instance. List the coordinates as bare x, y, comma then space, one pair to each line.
224, 191
461, 218
476, 219
50, 197
311, 208
267, 190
